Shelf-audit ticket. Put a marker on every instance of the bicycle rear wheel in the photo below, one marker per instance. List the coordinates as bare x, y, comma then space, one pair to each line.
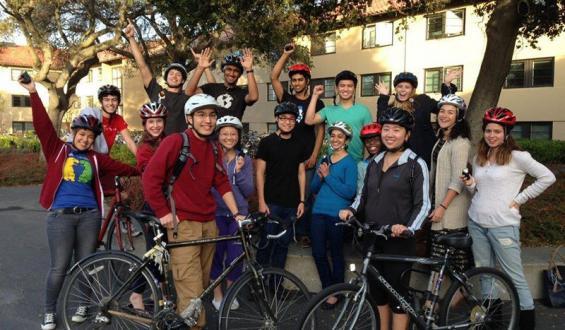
95, 279
283, 293
133, 236
349, 313
487, 300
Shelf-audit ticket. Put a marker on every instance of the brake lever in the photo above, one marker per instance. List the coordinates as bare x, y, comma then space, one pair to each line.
279, 235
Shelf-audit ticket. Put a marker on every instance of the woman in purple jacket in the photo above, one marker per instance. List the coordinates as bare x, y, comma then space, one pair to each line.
239, 170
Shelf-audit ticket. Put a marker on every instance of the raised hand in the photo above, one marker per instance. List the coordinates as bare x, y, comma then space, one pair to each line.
197, 56
289, 48
203, 58
129, 31
29, 86
381, 88
318, 90
247, 59
451, 75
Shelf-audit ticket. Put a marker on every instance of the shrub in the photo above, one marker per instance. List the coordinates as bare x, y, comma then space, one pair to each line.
27, 142
545, 151
121, 152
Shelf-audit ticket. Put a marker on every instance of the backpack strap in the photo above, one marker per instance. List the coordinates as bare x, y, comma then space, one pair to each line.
179, 165
219, 165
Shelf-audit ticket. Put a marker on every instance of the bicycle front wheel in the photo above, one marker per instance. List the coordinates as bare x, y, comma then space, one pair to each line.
86, 297
486, 300
349, 313
131, 236
274, 301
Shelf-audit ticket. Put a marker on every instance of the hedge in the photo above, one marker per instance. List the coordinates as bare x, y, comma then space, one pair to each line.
545, 151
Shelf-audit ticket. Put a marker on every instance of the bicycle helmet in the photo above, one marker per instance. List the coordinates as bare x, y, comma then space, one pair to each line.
109, 90
371, 130
153, 110
303, 69
175, 66
397, 116
200, 101
233, 59
228, 121
346, 75
89, 122
286, 107
501, 116
408, 77
342, 126
457, 102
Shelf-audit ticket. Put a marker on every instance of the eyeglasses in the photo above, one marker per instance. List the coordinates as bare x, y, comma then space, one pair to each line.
202, 115
287, 119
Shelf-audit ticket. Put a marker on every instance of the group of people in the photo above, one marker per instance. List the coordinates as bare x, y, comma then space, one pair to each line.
410, 175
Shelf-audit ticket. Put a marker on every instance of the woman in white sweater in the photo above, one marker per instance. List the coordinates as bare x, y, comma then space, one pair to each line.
499, 171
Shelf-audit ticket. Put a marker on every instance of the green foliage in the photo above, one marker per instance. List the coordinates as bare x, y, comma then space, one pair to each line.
25, 143
121, 152
545, 151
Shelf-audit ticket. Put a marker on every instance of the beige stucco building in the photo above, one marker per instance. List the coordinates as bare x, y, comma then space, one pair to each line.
431, 45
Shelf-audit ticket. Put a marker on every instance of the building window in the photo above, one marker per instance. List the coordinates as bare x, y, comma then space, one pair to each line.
21, 101
117, 78
449, 23
90, 101
434, 78
271, 127
22, 126
377, 35
15, 73
100, 76
537, 72
323, 44
533, 130
329, 86
368, 82
271, 96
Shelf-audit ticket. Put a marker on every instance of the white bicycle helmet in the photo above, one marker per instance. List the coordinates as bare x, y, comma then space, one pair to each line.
228, 121
200, 101
457, 102
153, 110
346, 129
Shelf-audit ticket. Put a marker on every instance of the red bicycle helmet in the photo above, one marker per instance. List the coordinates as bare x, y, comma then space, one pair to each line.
371, 130
299, 68
499, 115
153, 110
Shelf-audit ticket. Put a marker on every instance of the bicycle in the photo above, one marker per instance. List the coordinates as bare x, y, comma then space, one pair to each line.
479, 298
268, 298
121, 231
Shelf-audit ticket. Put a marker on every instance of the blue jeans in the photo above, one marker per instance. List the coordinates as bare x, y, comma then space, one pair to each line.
325, 231
275, 251
502, 245
303, 227
68, 233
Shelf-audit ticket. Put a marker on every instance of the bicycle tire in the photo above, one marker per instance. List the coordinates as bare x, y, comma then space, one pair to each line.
136, 245
285, 294
488, 299
330, 319
94, 279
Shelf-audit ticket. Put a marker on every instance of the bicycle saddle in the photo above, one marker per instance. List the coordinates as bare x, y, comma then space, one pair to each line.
456, 240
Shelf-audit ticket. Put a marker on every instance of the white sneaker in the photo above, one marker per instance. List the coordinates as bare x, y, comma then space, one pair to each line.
216, 304
80, 315
234, 305
48, 321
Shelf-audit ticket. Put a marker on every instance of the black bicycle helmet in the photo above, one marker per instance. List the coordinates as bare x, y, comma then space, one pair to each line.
408, 77
346, 75
87, 122
286, 107
233, 59
175, 66
397, 116
109, 90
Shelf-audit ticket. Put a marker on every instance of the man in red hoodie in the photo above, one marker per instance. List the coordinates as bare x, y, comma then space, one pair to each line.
195, 205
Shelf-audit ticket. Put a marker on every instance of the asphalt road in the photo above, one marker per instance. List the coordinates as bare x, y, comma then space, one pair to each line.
24, 259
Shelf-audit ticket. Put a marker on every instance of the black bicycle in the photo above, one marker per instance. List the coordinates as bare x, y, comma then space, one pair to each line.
481, 298
101, 284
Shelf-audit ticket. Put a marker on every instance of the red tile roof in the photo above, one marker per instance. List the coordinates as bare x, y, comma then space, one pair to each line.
21, 56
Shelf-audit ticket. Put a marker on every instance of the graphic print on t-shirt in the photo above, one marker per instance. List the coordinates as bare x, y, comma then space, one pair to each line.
300, 114
77, 170
225, 100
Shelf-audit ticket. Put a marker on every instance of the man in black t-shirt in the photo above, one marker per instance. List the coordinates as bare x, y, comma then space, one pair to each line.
310, 137
231, 97
280, 182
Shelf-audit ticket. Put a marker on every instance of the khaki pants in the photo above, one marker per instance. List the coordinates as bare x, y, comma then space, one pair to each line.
191, 264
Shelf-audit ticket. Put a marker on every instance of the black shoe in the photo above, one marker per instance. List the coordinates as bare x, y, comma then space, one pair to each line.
528, 319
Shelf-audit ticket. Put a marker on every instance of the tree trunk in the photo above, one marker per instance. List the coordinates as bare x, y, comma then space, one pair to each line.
502, 32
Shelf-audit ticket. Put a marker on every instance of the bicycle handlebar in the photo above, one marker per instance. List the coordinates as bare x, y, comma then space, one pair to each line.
365, 228
258, 218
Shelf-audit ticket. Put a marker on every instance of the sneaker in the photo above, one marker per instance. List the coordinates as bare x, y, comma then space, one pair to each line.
234, 305
80, 315
48, 322
216, 304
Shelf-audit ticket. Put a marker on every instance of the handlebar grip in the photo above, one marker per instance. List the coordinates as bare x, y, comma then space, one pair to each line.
279, 235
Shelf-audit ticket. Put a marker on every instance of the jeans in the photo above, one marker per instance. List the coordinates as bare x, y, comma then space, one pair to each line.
68, 233
275, 251
325, 231
226, 251
502, 245
303, 227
